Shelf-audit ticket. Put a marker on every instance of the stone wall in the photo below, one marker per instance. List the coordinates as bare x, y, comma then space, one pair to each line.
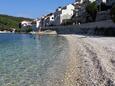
96, 28
103, 15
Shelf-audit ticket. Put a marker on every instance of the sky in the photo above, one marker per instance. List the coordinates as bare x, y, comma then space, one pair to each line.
30, 8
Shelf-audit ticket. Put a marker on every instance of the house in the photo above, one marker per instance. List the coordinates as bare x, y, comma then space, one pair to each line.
82, 1
36, 24
49, 20
79, 13
26, 23
107, 2
57, 16
44, 21
63, 14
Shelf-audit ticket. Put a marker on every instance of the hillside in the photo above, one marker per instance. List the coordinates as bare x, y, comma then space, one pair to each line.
7, 22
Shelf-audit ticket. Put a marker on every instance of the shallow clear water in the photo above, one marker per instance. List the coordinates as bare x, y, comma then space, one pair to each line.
30, 60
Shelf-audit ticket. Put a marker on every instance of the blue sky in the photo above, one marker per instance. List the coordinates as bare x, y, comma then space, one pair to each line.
30, 8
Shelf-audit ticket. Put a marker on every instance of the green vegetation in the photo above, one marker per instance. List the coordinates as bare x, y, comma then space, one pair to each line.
113, 13
26, 29
91, 9
9, 22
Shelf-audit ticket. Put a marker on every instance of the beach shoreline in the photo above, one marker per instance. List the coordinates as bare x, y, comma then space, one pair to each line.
91, 61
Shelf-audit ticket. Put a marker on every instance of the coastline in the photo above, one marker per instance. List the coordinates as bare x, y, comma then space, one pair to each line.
91, 61
71, 60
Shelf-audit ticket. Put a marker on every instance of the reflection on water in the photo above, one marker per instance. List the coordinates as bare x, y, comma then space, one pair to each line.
30, 60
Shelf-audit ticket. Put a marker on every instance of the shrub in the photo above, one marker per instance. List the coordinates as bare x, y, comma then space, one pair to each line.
91, 9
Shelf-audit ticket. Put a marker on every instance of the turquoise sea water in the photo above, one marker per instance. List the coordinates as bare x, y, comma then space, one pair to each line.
30, 60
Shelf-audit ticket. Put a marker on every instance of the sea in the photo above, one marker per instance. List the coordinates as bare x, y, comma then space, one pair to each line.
32, 60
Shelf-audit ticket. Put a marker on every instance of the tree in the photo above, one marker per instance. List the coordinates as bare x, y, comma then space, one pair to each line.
91, 9
112, 13
7, 22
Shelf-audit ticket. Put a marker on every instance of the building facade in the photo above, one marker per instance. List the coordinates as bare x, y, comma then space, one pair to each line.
108, 2
57, 16
82, 1
50, 19
64, 13
26, 23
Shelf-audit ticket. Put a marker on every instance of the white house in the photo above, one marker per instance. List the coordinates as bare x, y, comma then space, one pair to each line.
49, 19
64, 13
26, 23
38, 23
81, 1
